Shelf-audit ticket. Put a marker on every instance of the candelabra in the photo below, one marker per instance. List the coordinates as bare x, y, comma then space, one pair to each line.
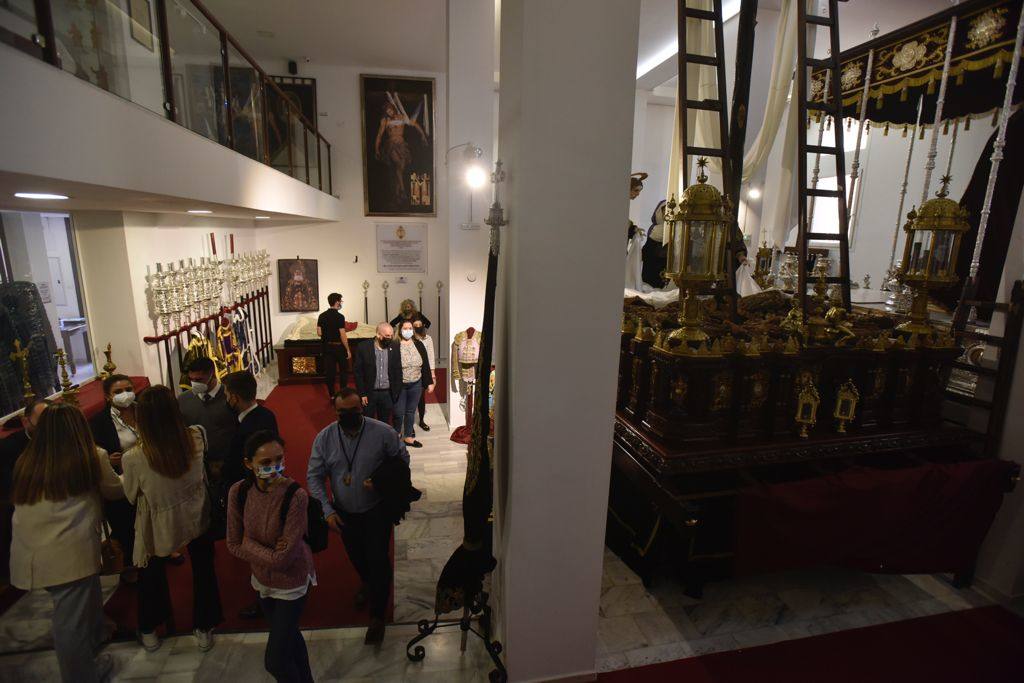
159, 287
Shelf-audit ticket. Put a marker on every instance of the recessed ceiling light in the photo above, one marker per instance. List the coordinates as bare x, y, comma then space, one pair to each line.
39, 195
199, 211
261, 218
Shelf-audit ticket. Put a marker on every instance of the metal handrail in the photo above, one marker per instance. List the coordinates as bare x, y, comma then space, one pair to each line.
46, 44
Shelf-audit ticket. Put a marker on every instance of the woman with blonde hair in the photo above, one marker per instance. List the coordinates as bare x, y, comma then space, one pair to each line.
57, 490
407, 311
164, 476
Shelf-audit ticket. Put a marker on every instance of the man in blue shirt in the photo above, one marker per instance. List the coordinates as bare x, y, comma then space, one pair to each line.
346, 454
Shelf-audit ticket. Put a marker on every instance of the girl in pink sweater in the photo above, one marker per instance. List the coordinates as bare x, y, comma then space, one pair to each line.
281, 561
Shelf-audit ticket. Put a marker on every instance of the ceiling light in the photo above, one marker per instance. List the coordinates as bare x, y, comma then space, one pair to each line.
261, 218
753, 193
39, 195
199, 211
476, 177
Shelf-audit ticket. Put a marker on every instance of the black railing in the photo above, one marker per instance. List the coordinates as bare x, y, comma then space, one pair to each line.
175, 58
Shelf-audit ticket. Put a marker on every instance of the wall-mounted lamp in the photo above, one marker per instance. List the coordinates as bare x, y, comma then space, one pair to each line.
476, 177
470, 153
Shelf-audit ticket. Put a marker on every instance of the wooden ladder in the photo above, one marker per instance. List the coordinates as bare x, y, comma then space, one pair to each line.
831, 104
718, 105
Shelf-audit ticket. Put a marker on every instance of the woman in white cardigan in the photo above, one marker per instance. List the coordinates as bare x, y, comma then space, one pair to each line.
164, 479
57, 490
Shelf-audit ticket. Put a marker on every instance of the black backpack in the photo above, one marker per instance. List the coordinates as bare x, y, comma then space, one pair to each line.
316, 524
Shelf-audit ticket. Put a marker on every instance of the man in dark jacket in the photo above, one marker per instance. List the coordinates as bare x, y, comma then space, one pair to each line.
378, 376
206, 405
240, 394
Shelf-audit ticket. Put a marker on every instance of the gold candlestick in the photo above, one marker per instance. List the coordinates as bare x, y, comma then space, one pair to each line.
68, 390
20, 356
109, 367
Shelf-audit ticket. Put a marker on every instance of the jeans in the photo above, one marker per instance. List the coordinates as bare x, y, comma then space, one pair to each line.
405, 409
334, 357
77, 628
286, 658
155, 596
380, 405
367, 538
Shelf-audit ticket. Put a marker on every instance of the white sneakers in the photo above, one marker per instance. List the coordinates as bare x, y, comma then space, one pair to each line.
150, 641
205, 639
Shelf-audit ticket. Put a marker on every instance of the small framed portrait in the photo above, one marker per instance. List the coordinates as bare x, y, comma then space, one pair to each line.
298, 286
142, 23
398, 145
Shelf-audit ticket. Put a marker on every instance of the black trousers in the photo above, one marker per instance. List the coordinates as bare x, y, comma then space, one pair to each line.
155, 597
285, 658
334, 357
380, 405
422, 407
367, 538
121, 516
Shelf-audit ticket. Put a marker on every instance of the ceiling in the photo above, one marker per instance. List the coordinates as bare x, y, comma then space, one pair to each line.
395, 34
88, 197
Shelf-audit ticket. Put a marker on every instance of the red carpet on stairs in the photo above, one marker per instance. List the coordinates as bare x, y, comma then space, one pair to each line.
302, 410
982, 645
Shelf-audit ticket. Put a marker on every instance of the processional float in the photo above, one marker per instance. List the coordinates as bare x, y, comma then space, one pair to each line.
727, 406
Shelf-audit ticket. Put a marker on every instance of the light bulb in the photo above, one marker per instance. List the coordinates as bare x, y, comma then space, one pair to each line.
753, 193
476, 177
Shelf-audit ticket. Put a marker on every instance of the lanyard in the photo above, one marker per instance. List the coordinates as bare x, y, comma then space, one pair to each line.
355, 451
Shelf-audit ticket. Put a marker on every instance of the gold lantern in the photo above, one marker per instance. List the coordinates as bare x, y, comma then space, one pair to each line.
698, 234
929, 257
847, 398
807, 402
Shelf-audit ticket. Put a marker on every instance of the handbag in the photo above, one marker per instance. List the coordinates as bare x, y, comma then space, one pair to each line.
111, 552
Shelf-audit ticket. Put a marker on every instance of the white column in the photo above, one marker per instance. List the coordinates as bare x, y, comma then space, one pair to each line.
111, 299
565, 134
471, 105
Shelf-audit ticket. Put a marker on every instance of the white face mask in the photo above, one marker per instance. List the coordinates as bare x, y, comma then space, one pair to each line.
200, 388
406, 334
124, 399
270, 472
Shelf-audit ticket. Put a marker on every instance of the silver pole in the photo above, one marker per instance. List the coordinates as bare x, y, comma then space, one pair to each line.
933, 148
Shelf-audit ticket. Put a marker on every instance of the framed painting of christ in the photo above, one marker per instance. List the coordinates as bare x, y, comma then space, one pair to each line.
398, 145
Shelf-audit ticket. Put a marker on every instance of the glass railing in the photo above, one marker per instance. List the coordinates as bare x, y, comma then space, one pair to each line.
174, 58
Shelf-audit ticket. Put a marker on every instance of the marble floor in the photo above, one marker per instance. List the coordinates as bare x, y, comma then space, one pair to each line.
639, 626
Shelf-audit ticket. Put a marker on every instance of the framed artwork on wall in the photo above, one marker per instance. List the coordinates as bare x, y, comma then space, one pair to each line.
398, 145
142, 23
301, 92
298, 285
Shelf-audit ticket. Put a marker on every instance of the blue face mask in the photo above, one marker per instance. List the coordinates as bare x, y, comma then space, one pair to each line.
270, 472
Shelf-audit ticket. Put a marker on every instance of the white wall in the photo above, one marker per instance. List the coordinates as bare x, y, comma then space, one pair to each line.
117, 251
471, 107
346, 248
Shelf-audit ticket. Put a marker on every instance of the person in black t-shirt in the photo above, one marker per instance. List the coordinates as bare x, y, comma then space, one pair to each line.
336, 354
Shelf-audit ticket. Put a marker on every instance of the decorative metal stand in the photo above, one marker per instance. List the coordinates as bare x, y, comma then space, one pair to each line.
478, 608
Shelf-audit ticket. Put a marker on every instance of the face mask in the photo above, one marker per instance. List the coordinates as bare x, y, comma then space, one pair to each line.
270, 471
200, 387
384, 341
124, 399
420, 331
350, 421
406, 334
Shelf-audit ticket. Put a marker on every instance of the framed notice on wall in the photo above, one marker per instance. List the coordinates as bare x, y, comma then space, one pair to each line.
401, 247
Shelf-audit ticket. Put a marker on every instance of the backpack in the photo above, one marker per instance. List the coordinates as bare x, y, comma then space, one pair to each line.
316, 524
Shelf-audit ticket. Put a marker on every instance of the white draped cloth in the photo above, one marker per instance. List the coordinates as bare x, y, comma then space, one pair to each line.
634, 262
